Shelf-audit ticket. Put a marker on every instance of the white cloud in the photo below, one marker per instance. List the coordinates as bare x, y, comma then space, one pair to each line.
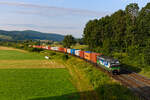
38, 9
58, 19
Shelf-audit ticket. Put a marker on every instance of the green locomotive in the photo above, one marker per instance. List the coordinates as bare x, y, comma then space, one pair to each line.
110, 64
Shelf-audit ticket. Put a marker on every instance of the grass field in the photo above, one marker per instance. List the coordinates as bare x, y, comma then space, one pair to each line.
28, 76
91, 83
25, 84
17, 55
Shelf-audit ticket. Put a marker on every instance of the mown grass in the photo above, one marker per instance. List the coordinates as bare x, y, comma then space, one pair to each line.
87, 78
16, 55
28, 84
29, 64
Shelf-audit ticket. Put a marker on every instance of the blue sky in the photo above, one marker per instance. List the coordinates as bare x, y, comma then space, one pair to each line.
57, 16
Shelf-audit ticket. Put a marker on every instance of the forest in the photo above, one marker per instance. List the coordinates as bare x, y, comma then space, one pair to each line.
125, 34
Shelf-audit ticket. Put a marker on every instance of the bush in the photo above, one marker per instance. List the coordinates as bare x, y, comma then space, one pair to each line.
34, 49
52, 53
65, 57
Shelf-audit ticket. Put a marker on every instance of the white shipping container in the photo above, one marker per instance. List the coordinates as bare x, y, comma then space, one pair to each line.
46, 47
77, 52
54, 48
68, 50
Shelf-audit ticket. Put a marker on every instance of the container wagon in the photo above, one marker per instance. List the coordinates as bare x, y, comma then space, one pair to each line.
81, 53
49, 48
61, 49
87, 55
65, 50
68, 51
54, 48
77, 52
73, 51
94, 57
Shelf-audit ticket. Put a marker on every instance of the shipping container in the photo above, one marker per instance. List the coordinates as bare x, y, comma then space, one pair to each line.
43, 47
81, 53
94, 57
37, 46
54, 48
34, 46
87, 55
40, 47
61, 49
49, 48
46, 47
68, 51
77, 52
65, 50
73, 51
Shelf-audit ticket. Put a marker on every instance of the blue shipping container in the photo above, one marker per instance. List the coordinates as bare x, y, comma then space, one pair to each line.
73, 51
88, 52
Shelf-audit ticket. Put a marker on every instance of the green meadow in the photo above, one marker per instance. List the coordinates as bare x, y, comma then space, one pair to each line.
28, 76
26, 84
18, 55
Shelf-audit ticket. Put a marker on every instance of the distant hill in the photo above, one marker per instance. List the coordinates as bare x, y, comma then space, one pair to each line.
29, 35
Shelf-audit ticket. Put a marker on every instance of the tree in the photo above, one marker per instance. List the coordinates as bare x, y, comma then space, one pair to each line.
118, 30
132, 12
132, 9
124, 31
68, 41
89, 31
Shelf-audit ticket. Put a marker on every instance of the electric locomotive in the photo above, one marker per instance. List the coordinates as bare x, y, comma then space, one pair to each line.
110, 64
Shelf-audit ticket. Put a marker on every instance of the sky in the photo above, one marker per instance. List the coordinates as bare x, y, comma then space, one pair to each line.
57, 16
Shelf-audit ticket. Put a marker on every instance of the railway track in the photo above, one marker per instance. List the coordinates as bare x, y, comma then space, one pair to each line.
138, 84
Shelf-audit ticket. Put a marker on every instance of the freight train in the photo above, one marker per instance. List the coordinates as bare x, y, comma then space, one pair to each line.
110, 64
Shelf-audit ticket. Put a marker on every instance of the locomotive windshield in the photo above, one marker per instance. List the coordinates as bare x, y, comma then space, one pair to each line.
115, 62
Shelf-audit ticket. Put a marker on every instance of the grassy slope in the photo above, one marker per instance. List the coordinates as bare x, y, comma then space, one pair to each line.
133, 64
33, 84
92, 83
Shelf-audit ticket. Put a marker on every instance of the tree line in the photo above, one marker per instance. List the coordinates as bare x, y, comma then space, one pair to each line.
125, 31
